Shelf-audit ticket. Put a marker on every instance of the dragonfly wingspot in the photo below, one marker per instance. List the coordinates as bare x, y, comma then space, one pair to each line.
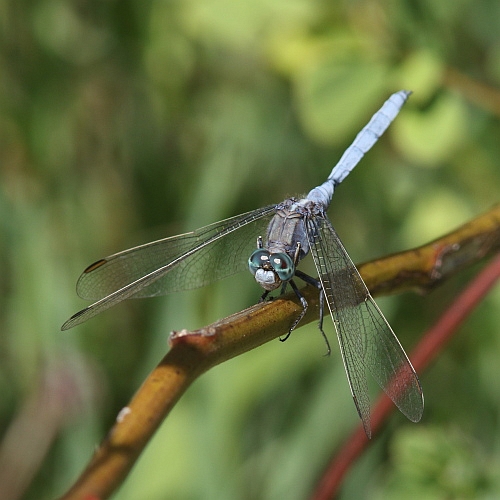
95, 265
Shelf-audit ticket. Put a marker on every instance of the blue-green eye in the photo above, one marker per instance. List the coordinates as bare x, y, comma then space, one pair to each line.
258, 260
282, 265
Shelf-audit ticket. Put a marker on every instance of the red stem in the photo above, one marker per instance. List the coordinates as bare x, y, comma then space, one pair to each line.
427, 349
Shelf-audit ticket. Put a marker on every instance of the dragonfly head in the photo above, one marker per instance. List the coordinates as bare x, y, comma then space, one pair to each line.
271, 269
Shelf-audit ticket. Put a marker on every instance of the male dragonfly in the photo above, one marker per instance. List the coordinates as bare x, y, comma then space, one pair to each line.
295, 227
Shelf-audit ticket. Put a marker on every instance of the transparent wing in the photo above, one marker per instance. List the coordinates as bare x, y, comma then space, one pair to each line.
173, 264
365, 337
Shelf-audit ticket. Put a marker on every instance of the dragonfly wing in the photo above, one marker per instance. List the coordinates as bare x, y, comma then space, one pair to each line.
194, 259
365, 337
179, 263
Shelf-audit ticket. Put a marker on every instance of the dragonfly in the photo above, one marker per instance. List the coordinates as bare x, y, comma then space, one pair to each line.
292, 229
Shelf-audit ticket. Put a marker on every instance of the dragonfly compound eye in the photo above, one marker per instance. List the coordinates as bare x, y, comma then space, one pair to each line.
258, 260
283, 266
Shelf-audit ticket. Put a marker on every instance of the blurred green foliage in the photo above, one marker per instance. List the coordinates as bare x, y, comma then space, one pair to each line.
124, 121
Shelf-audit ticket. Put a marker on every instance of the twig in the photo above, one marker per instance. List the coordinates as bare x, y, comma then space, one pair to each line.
193, 353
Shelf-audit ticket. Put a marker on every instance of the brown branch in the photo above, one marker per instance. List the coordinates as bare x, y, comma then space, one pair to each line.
193, 353
425, 267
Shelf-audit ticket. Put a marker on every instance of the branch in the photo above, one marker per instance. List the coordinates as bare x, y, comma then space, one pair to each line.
193, 353
425, 267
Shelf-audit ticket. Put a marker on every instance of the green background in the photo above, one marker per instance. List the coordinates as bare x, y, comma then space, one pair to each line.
126, 121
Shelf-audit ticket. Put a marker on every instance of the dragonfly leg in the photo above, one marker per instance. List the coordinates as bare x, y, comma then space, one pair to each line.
296, 257
301, 315
316, 283
263, 297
